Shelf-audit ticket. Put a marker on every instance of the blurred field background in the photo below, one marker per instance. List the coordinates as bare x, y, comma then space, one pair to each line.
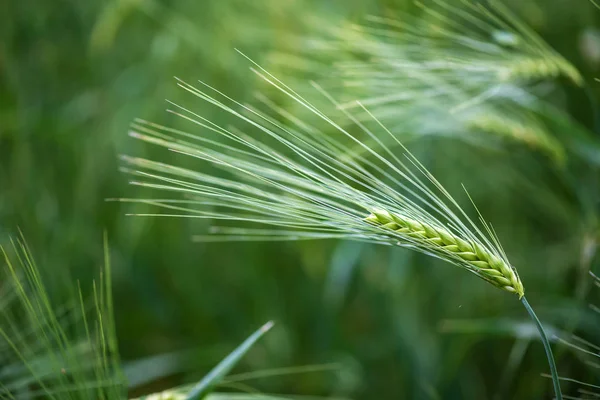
379, 322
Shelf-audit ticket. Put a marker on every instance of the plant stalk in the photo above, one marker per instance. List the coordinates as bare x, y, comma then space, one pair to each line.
547, 348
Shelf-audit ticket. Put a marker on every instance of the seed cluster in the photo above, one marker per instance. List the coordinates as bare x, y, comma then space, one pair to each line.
481, 261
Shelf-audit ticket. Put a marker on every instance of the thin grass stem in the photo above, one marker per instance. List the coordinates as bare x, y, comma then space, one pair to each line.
547, 348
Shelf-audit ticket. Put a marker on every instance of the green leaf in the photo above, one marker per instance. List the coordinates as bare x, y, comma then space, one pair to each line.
218, 373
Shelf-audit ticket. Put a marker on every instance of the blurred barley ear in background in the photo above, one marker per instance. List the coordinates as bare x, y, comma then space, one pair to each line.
498, 97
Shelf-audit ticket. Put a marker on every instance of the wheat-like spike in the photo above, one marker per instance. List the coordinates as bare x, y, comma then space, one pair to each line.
417, 73
527, 69
471, 45
169, 394
313, 185
483, 262
466, 94
523, 131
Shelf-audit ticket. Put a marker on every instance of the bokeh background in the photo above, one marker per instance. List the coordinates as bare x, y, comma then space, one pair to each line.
378, 322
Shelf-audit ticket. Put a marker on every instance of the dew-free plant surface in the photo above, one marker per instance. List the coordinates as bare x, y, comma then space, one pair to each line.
73, 77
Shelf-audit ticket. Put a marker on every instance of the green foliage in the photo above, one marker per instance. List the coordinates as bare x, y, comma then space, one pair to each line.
219, 372
75, 74
50, 351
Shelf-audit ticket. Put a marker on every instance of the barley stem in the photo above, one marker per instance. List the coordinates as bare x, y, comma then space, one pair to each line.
547, 348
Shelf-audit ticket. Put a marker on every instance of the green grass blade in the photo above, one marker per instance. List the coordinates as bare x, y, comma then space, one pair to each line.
547, 348
218, 373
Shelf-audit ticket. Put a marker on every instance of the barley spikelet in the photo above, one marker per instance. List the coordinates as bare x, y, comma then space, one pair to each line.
534, 68
170, 394
525, 131
485, 264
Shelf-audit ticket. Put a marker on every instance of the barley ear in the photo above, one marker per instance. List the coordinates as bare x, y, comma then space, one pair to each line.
474, 256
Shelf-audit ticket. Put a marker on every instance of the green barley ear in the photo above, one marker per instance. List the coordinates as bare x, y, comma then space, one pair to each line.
321, 189
296, 180
459, 69
50, 351
483, 262
482, 42
525, 130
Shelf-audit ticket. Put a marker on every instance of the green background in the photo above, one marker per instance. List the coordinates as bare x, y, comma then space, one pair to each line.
73, 75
